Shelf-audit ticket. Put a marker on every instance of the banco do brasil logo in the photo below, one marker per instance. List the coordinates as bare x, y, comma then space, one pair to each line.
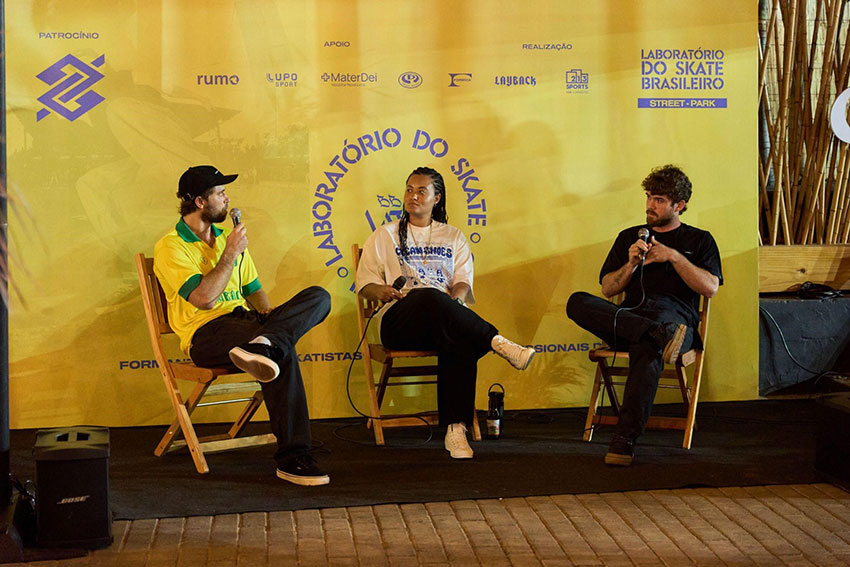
410, 80
70, 94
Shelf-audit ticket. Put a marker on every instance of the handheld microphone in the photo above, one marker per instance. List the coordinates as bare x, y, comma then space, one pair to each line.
397, 285
643, 234
236, 217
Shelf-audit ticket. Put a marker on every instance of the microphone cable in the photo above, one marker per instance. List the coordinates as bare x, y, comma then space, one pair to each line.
239, 283
236, 217
617, 313
379, 418
621, 309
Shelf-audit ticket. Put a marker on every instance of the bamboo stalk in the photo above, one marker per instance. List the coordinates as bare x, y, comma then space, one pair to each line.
803, 64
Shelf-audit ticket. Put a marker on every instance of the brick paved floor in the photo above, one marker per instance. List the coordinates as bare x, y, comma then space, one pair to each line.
799, 525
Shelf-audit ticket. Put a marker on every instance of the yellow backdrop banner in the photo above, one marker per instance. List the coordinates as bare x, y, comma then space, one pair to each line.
543, 118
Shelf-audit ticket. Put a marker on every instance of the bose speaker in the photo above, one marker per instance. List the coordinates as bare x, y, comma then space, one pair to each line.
72, 487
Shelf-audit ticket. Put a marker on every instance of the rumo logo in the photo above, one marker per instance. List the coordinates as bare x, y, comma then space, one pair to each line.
218, 79
70, 94
838, 117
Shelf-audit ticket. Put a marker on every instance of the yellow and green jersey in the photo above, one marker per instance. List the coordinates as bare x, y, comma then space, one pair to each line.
180, 260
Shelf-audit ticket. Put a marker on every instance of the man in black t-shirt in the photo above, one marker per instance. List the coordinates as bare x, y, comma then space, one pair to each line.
662, 275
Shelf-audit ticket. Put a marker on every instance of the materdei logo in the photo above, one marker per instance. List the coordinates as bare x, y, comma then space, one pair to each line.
70, 94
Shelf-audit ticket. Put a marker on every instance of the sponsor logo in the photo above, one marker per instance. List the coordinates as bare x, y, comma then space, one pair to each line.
70, 95
682, 71
74, 499
283, 79
68, 35
577, 80
218, 80
558, 46
350, 79
410, 80
456, 78
337, 44
515, 80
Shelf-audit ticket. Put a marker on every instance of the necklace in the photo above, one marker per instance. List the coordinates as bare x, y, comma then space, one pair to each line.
422, 253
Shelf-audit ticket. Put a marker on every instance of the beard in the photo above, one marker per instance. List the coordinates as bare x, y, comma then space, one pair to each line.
657, 221
211, 217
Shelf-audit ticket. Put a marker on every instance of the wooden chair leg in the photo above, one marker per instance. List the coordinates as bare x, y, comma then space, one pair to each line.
190, 405
192, 441
385, 380
594, 402
613, 399
476, 428
374, 408
246, 415
690, 421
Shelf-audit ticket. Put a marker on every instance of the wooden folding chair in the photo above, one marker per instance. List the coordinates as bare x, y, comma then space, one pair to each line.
672, 377
156, 313
387, 358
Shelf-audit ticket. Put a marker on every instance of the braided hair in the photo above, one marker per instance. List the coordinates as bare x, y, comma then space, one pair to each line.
438, 213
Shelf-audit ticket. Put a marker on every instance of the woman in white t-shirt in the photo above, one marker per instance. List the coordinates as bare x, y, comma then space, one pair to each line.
429, 312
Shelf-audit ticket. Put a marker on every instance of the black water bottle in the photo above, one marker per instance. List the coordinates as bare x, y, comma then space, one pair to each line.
495, 411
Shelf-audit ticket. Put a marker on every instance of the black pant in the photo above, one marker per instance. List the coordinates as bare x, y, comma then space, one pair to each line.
596, 315
428, 319
285, 398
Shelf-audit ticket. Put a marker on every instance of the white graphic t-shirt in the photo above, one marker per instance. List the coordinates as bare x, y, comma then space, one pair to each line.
438, 257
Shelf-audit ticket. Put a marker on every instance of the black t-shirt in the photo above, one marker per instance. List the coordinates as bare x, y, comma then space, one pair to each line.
661, 279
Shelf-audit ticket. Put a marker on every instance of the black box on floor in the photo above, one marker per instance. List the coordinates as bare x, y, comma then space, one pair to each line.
833, 445
72, 481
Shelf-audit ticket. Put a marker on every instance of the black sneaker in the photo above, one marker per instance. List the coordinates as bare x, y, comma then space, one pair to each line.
621, 451
303, 470
670, 337
257, 359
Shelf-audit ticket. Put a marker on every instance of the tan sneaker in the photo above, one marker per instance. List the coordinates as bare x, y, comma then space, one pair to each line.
256, 359
519, 356
456, 443
676, 334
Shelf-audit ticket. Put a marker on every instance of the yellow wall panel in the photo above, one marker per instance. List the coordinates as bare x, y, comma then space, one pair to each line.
541, 100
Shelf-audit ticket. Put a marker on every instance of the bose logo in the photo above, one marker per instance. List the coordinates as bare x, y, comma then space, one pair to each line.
74, 499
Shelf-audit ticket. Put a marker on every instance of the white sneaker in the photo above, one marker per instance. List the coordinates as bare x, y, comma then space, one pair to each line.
456, 443
519, 356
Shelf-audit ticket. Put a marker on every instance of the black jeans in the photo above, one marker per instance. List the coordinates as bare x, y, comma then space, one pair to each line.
285, 398
428, 319
596, 315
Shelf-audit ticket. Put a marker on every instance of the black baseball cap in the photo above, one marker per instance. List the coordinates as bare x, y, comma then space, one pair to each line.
196, 180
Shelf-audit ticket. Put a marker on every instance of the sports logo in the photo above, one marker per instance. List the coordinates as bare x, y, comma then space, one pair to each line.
410, 80
576, 79
70, 94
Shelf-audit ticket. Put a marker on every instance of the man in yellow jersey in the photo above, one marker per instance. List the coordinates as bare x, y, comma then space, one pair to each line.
223, 317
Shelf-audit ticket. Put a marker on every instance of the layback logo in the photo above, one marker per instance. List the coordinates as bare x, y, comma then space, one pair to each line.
70, 94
